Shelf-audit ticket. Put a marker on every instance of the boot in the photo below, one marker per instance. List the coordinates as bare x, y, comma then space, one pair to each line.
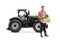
45, 34
41, 34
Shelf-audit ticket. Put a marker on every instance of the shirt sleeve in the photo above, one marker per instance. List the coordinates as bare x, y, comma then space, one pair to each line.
39, 14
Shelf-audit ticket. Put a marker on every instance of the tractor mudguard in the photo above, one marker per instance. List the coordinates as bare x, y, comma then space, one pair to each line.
36, 21
18, 18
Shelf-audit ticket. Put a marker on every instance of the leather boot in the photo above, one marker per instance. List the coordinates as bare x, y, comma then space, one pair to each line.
45, 34
41, 34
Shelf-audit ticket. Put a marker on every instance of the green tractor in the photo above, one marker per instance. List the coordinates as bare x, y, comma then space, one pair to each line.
23, 20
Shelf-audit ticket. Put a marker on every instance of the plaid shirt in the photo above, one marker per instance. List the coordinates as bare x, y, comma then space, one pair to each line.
42, 14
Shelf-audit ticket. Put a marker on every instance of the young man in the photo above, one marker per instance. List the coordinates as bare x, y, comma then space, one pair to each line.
41, 16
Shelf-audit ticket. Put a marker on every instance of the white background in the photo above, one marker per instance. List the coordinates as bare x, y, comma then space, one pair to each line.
8, 9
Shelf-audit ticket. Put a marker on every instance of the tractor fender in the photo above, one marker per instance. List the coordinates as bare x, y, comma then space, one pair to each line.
16, 18
36, 21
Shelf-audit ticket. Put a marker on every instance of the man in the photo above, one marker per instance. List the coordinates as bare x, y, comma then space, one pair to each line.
41, 15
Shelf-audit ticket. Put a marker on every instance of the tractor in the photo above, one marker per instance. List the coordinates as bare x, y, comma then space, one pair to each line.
24, 20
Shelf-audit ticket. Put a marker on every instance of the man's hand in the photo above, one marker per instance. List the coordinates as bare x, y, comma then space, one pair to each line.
40, 18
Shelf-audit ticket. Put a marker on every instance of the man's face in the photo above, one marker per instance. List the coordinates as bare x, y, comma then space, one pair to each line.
42, 8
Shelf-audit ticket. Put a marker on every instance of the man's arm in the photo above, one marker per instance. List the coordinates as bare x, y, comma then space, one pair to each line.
39, 16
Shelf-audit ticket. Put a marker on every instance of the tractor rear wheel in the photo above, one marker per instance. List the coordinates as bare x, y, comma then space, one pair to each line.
15, 25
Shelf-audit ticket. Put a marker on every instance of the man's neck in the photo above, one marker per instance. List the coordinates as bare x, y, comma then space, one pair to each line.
42, 10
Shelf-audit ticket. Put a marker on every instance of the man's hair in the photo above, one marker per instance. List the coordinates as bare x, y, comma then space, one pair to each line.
42, 6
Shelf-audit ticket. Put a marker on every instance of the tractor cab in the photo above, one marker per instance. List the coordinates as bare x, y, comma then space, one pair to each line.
23, 13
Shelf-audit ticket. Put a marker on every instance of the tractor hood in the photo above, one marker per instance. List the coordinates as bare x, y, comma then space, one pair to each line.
34, 17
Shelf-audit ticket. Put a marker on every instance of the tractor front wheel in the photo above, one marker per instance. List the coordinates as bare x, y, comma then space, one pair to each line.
37, 26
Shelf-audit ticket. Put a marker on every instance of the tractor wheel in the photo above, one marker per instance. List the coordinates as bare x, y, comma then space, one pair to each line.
36, 27
15, 25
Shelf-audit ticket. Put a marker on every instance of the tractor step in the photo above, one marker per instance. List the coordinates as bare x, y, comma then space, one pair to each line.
8, 29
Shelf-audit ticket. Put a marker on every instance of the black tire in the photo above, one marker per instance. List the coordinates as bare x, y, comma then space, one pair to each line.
15, 25
36, 27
